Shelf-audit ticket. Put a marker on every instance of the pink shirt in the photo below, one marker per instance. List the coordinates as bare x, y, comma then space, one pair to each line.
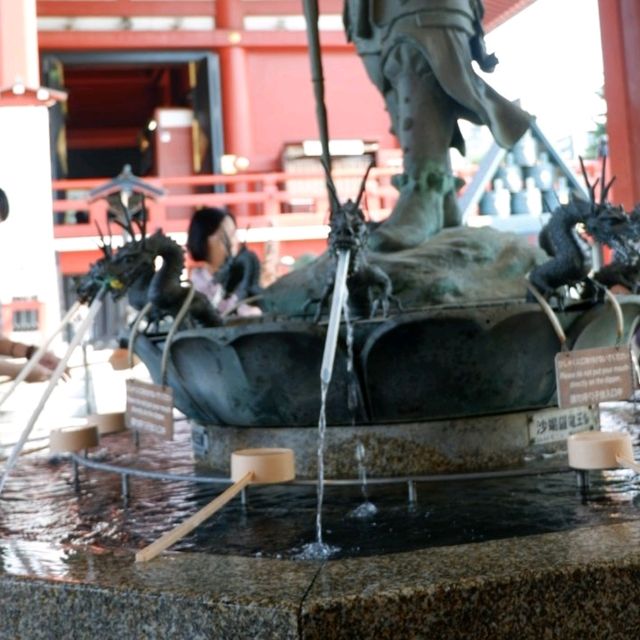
203, 281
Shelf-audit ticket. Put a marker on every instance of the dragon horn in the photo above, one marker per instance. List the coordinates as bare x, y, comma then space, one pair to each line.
127, 217
140, 219
605, 190
143, 224
106, 248
591, 187
331, 187
603, 178
364, 184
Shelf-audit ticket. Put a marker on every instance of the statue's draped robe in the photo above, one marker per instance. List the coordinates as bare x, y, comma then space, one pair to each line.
447, 34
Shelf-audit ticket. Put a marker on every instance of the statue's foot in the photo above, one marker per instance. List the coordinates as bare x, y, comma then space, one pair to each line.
416, 217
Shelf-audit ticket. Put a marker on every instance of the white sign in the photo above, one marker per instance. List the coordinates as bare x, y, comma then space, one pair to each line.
589, 376
149, 408
554, 425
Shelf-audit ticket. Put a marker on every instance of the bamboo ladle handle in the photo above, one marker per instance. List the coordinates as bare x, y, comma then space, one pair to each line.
628, 464
171, 537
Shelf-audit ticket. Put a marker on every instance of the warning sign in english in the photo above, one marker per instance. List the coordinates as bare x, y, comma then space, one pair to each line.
590, 376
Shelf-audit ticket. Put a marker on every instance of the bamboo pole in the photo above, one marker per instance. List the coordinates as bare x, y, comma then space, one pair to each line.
171, 537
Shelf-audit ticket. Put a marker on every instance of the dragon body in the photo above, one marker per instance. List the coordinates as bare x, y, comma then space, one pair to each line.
166, 293
130, 270
570, 253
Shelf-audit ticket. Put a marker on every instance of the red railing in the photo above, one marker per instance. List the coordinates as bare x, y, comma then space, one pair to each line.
266, 199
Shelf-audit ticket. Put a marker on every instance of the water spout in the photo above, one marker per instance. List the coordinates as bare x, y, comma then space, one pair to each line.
318, 549
337, 303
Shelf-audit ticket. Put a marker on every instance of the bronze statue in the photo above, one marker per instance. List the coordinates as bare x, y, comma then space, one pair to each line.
571, 260
419, 55
4, 206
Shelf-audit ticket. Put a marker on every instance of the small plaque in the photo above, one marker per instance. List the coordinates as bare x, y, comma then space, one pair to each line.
150, 408
555, 425
590, 376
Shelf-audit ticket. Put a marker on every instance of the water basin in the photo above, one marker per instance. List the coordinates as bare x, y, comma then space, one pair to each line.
41, 504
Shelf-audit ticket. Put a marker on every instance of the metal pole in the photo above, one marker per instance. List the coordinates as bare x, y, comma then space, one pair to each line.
124, 487
55, 376
582, 480
412, 493
76, 475
317, 78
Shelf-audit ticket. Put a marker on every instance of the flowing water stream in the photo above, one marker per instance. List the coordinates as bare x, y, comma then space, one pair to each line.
318, 550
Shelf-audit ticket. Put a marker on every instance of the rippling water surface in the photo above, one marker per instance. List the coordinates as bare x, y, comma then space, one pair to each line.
41, 504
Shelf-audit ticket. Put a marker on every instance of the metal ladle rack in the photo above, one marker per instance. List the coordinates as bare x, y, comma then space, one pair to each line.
126, 473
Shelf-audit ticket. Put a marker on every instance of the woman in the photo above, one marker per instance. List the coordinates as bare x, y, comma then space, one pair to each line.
226, 273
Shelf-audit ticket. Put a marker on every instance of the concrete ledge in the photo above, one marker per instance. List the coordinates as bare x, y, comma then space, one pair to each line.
579, 584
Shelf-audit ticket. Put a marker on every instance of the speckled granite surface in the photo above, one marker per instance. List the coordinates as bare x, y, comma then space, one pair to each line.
582, 584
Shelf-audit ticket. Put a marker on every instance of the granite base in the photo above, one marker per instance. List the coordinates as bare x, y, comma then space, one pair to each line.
573, 585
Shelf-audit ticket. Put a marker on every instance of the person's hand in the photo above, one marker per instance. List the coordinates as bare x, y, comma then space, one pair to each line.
49, 362
39, 374
13, 369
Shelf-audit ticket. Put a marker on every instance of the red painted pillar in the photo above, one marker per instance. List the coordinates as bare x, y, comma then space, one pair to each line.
620, 28
234, 80
18, 44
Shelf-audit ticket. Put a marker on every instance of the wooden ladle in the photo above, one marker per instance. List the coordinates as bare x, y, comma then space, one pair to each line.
248, 466
601, 450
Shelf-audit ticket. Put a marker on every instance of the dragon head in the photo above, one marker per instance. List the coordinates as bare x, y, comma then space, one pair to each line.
348, 226
119, 270
607, 223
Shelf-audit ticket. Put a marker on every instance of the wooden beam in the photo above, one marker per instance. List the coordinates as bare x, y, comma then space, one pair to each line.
132, 8
187, 40
499, 11
125, 8
111, 138
287, 7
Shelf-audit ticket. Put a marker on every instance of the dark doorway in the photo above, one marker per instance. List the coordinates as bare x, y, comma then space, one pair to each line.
112, 99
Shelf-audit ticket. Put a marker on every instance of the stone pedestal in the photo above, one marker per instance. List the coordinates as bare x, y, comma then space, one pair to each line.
571, 585
401, 449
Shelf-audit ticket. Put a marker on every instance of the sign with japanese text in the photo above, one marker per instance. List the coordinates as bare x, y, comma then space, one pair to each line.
149, 408
554, 425
589, 376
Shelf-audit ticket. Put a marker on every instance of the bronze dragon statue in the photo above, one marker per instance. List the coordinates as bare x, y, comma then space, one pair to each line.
370, 288
130, 270
624, 269
571, 260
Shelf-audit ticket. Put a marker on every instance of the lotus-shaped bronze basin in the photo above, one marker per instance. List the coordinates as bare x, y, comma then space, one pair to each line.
442, 362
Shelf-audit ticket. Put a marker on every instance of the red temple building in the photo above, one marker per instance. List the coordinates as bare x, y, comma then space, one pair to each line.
211, 100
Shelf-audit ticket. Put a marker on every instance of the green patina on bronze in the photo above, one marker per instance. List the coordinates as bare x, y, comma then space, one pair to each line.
419, 55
